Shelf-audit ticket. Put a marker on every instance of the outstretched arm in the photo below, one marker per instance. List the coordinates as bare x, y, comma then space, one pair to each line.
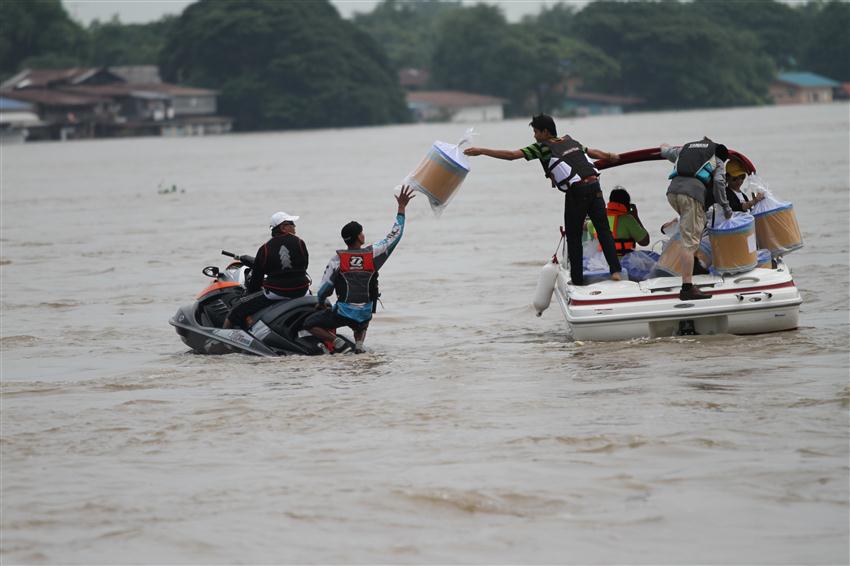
606, 155
383, 248
506, 154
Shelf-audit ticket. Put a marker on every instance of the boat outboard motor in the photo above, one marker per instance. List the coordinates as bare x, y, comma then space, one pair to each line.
276, 330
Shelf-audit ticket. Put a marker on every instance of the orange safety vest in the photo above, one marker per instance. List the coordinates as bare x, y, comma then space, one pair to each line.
622, 245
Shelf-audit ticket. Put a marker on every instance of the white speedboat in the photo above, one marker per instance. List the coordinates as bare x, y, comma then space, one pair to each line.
757, 301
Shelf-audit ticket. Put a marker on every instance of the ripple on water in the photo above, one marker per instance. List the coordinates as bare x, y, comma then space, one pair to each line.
18, 341
480, 502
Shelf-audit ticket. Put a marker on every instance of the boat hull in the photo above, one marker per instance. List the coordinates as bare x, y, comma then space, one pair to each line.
755, 302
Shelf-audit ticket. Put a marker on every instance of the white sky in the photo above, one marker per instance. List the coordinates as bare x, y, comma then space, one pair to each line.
142, 11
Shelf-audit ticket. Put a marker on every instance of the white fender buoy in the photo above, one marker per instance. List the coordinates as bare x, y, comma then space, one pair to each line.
545, 286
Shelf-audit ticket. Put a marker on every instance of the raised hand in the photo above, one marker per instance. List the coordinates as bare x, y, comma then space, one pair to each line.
404, 197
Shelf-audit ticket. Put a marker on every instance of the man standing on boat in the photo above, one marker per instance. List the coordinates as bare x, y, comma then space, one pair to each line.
699, 168
567, 165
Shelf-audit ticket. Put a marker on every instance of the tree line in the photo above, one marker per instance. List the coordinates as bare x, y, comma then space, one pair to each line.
284, 65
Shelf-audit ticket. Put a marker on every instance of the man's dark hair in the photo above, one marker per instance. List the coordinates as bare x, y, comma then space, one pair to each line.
721, 152
350, 232
620, 195
544, 122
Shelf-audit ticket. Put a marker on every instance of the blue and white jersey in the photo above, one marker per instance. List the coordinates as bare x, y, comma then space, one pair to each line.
332, 278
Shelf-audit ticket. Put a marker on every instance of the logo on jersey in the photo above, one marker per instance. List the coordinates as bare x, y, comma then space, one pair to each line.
356, 262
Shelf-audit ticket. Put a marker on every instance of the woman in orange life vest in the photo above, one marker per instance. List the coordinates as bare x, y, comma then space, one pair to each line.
626, 227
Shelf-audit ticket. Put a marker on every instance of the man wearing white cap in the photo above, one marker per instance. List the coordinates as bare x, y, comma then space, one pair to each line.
279, 271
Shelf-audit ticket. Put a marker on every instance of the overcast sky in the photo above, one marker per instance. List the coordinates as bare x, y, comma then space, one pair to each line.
142, 11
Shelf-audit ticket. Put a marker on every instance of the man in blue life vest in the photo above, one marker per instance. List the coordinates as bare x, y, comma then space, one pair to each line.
279, 272
567, 165
353, 274
699, 169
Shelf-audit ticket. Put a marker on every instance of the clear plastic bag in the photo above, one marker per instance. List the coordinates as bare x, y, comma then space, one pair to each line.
671, 262
776, 223
639, 264
440, 174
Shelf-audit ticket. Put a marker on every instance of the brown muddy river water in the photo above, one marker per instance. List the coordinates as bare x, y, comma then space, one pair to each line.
473, 432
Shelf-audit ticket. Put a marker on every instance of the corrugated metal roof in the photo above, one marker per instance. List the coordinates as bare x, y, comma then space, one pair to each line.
806, 79
54, 97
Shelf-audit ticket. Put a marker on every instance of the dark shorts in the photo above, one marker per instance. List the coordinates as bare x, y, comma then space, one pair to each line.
329, 318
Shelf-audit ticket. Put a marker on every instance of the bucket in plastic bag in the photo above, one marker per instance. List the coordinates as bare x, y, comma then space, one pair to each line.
777, 230
765, 258
776, 223
733, 243
672, 259
439, 175
703, 253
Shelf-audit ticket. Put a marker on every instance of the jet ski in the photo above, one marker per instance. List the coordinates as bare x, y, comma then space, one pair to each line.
274, 331
759, 300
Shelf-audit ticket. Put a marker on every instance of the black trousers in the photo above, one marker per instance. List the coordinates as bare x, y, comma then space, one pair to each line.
255, 302
581, 201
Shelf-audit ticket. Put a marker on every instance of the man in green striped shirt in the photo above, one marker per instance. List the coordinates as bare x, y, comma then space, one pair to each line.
567, 165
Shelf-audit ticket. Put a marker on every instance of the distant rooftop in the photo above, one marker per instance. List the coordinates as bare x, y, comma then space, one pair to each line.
452, 99
10, 105
806, 79
140, 74
413, 78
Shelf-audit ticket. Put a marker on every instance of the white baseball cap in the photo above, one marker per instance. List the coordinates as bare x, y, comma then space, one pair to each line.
281, 217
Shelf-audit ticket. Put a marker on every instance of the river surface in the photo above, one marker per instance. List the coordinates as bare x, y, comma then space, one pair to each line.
473, 432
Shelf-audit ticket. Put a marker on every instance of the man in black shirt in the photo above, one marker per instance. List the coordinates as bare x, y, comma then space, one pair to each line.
279, 272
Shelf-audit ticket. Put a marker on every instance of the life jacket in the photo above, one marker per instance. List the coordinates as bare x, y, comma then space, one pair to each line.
285, 265
569, 151
623, 245
696, 159
359, 278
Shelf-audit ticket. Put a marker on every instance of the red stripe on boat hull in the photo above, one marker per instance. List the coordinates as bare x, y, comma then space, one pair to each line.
587, 302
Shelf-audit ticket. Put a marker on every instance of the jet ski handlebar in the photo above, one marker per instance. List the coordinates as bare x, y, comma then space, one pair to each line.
244, 259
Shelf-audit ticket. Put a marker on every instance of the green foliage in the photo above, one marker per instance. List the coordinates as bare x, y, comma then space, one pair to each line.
405, 30
38, 32
675, 57
826, 46
283, 64
479, 51
116, 44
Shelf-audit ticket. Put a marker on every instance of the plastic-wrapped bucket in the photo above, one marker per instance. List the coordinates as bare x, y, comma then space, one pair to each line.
672, 260
703, 253
733, 245
765, 258
777, 230
439, 174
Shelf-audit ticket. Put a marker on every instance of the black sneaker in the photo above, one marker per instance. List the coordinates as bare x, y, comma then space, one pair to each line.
692, 294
